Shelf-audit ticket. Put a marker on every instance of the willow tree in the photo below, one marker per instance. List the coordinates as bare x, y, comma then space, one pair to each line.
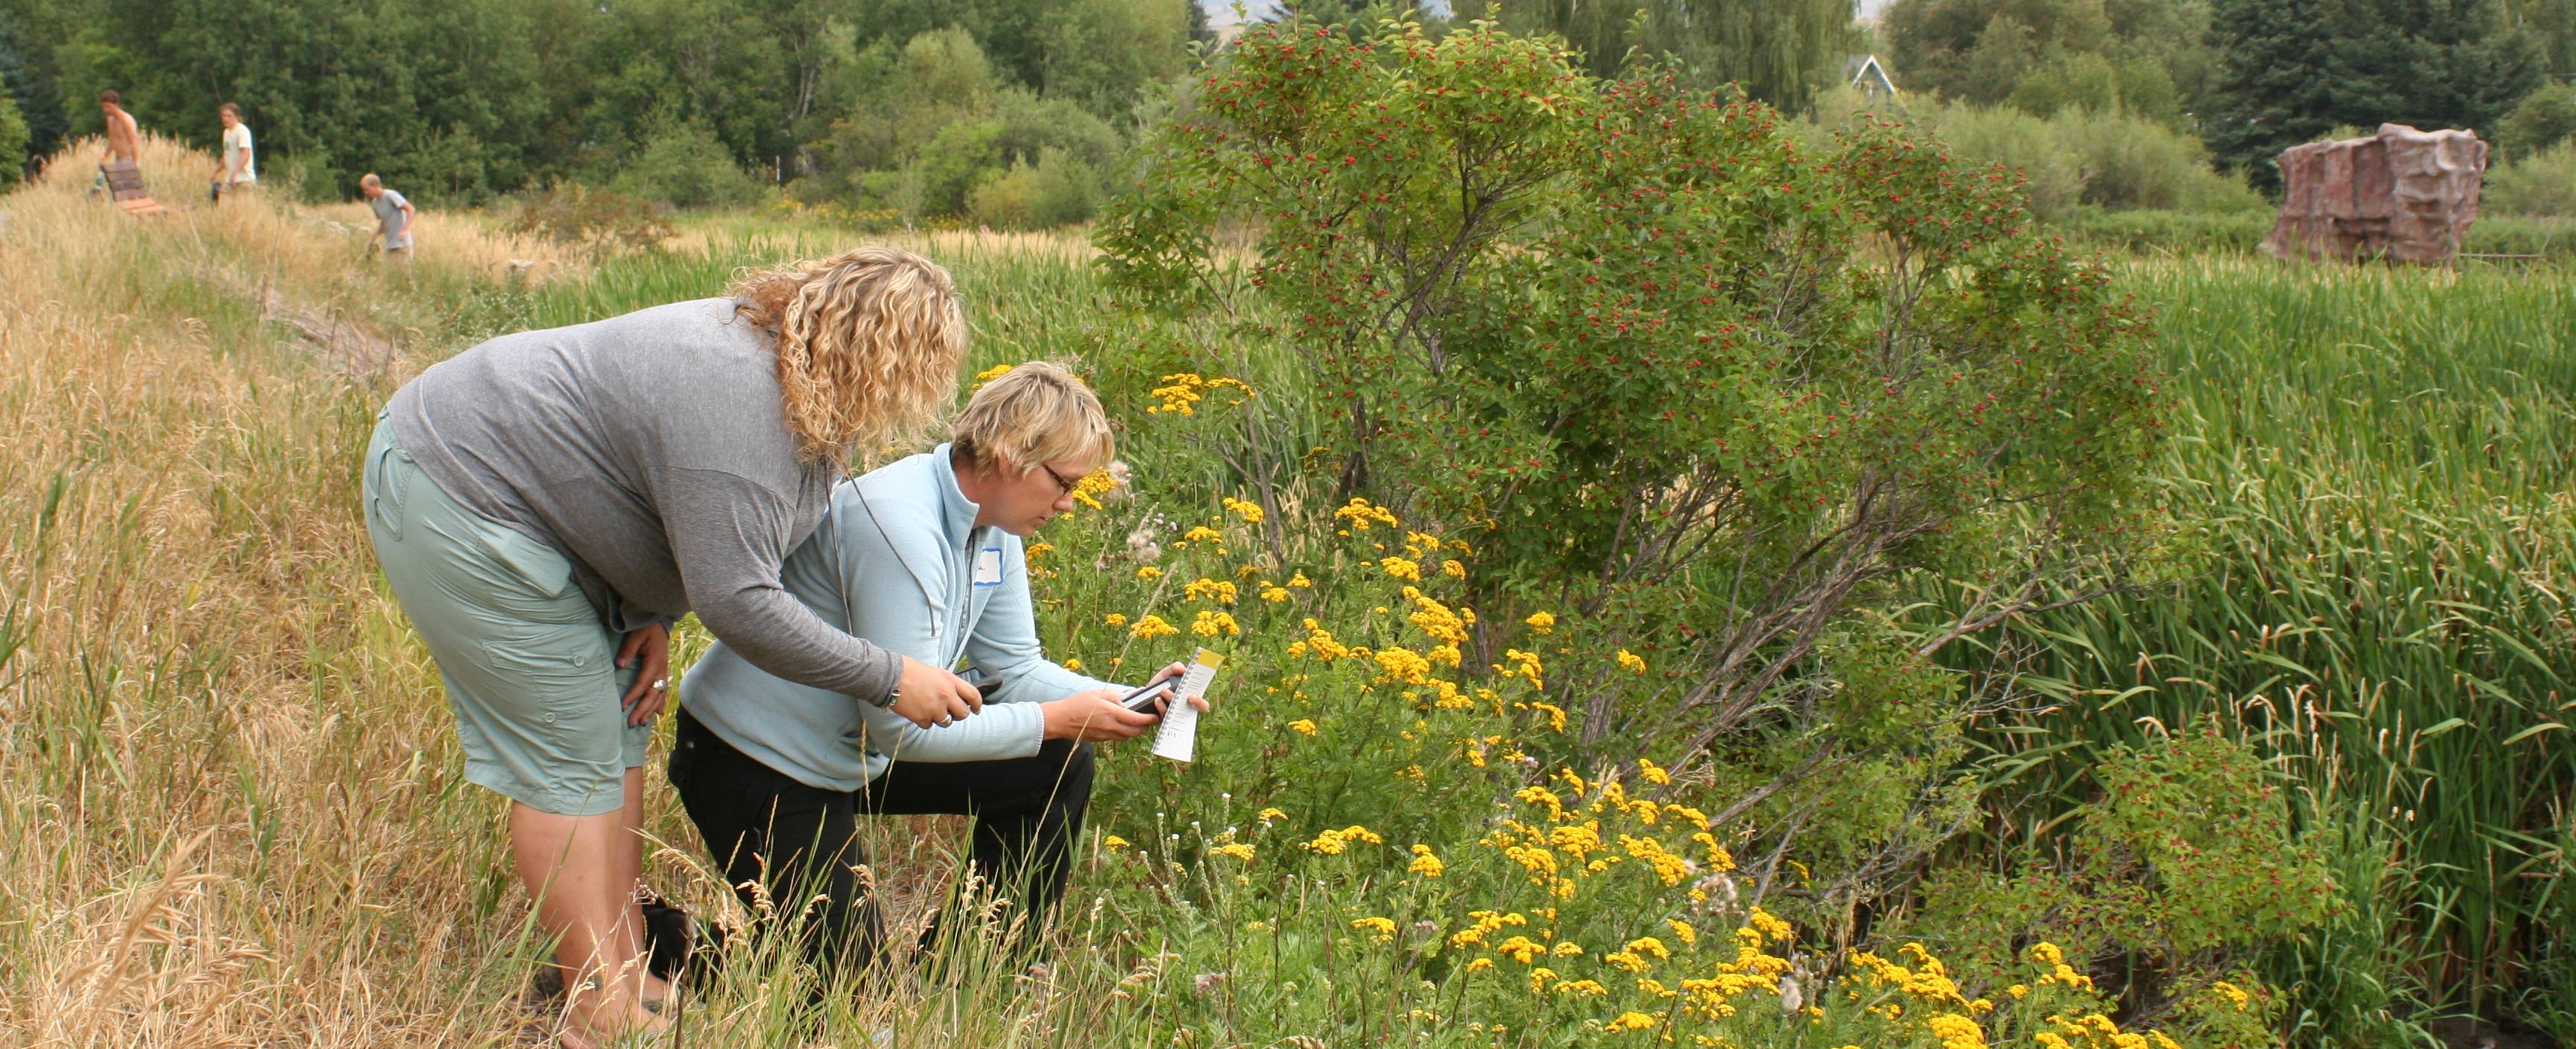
1779, 51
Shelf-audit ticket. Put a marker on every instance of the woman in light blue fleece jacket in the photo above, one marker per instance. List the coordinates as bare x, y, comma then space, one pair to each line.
924, 558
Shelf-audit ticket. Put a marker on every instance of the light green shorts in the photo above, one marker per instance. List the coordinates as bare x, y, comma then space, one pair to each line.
531, 671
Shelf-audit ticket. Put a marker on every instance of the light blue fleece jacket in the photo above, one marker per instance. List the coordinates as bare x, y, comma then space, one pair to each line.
895, 561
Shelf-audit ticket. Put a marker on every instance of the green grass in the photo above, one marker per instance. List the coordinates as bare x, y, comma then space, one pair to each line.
2149, 231
2376, 465
2372, 466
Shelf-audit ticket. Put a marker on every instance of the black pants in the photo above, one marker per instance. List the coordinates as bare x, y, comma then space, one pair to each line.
800, 843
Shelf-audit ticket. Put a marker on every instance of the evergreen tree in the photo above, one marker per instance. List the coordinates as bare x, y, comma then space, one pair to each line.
29, 86
13, 142
1200, 31
2289, 70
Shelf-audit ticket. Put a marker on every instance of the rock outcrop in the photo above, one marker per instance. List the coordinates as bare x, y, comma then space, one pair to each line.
2401, 194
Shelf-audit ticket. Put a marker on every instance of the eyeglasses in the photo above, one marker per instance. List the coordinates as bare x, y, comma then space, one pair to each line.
1063, 487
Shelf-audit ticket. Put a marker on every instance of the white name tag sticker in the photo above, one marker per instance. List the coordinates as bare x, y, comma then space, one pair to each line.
988, 566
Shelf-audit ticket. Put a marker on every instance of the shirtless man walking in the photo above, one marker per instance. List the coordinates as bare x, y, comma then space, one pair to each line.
123, 141
234, 170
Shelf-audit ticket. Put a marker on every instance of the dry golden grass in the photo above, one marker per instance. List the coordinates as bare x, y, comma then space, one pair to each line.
766, 234
229, 788
223, 774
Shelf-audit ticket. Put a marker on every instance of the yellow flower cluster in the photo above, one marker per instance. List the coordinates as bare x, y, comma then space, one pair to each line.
1957, 1032
1333, 842
1246, 509
2048, 954
1321, 643
1437, 620
1632, 662
1404, 665
2096, 1031
1425, 863
1211, 623
1092, 486
1401, 568
1151, 627
1182, 391
1360, 514
2234, 995
1928, 983
1920, 998
1218, 590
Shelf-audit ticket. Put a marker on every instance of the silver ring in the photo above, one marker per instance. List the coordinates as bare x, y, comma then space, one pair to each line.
945, 722
661, 683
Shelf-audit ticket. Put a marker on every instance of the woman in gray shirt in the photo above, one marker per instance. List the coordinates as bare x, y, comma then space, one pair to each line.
547, 503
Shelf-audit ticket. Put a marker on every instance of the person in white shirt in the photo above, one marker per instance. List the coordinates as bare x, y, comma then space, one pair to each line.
393, 218
234, 168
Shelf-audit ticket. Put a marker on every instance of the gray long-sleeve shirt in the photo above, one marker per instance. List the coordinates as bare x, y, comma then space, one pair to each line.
652, 450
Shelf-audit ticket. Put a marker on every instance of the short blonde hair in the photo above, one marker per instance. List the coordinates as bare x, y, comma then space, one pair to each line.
1034, 414
370, 179
869, 343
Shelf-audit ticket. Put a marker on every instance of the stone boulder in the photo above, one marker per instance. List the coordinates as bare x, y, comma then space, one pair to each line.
2401, 194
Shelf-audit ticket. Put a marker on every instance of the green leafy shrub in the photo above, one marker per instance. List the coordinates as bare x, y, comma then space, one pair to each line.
2176, 232
2544, 118
1064, 189
2541, 182
945, 135
2053, 175
1374, 825
1670, 378
2109, 158
1002, 201
2098, 154
2552, 236
1058, 189
597, 220
687, 167
2094, 84
13, 141
2182, 869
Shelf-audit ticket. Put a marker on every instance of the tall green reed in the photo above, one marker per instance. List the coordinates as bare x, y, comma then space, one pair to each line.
2375, 465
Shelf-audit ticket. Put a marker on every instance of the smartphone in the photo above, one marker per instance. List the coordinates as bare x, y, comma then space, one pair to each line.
1142, 699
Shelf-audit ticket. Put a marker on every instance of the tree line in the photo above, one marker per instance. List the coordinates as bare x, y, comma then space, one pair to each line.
1018, 110
477, 97
2250, 77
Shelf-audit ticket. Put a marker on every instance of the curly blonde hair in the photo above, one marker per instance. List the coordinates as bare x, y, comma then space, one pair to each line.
869, 345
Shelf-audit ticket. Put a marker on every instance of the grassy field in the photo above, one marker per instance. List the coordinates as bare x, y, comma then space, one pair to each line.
2378, 464
233, 798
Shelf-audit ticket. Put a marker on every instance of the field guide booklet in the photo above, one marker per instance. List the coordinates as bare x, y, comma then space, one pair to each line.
1178, 739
